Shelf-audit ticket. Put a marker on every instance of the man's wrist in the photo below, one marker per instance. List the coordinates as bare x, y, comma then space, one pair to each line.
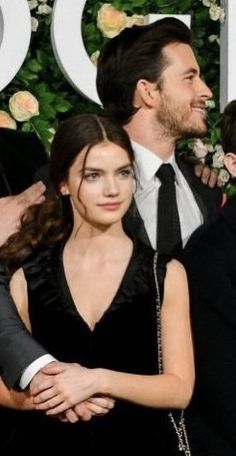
33, 369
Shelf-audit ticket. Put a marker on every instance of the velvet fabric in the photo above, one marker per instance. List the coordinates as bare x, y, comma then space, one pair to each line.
21, 155
210, 261
124, 339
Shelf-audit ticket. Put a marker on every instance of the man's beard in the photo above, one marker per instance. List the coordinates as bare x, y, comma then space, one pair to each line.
175, 124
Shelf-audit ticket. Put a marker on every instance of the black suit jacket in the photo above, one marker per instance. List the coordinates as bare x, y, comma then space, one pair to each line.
21, 155
210, 261
208, 200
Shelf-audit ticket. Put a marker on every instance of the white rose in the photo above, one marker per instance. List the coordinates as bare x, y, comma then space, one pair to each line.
206, 3
218, 159
94, 57
23, 105
110, 20
224, 176
44, 9
219, 148
34, 24
199, 149
136, 19
6, 121
215, 12
32, 4
210, 104
210, 148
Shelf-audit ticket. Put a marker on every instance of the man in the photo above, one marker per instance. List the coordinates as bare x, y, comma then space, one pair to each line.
210, 261
21, 154
148, 79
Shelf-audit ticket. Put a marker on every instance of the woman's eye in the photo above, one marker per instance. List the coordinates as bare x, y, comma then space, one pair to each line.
91, 176
126, 172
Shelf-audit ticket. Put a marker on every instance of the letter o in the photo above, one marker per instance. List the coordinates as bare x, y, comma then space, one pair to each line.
15, 33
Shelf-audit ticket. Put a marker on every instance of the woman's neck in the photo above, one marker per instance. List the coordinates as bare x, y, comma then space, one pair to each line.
100, 241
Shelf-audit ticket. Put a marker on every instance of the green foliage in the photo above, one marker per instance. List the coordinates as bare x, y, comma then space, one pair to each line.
57, 99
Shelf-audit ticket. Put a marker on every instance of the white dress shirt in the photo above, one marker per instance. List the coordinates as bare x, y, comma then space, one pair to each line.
33, 368
146, 195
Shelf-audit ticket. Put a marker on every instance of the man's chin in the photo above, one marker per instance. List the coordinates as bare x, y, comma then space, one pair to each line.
196, 132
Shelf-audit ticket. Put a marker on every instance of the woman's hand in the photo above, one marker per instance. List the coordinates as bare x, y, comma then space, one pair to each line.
67, 385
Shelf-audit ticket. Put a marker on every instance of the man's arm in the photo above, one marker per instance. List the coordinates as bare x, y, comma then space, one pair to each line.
12, 208
210, 265
17, 347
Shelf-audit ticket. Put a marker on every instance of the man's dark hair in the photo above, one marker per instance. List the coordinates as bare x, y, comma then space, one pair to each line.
136, 53
228, 128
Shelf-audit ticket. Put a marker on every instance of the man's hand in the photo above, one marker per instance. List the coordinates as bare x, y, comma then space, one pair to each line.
12, 208
207, 175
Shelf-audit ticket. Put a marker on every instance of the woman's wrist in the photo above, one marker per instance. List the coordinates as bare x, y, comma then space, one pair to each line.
102, 381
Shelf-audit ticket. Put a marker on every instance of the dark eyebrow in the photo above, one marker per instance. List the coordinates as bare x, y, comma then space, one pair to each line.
89, 168
129, 165
192, 71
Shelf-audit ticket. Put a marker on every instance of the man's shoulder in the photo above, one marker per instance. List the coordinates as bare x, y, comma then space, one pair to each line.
208, 243
21, 155
212, 197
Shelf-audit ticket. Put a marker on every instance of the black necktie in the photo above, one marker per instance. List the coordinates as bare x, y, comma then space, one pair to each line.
168, 226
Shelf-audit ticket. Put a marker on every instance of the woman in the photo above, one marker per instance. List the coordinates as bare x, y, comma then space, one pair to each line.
87, 292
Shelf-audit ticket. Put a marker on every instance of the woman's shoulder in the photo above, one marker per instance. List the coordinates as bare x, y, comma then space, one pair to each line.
42, 259
151, 260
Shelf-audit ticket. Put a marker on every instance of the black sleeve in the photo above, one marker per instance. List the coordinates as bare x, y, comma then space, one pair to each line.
211, 269
17, 347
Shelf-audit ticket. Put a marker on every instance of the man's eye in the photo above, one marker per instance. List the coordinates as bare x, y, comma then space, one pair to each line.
190, 77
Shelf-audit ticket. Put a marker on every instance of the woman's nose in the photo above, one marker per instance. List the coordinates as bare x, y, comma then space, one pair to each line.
111, 187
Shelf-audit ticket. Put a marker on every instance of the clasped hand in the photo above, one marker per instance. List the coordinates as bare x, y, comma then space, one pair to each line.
68, 391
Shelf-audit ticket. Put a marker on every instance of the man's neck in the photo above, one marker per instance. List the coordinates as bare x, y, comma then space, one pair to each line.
142, 134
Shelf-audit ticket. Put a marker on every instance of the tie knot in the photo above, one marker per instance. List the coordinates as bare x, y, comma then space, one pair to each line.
166, 173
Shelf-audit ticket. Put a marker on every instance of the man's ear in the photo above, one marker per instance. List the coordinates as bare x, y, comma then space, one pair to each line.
146, 94
230, 163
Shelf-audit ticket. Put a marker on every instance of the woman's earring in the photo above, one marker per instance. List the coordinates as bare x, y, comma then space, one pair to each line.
64, 192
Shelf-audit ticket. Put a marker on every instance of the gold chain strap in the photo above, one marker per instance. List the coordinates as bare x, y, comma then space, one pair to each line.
179, 427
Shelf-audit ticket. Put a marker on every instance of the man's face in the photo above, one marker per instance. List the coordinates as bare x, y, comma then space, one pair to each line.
181, 107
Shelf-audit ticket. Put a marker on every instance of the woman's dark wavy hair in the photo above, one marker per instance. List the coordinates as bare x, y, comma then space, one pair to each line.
136, 53
52, 221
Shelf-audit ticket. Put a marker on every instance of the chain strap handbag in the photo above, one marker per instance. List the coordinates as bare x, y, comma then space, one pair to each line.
179, 425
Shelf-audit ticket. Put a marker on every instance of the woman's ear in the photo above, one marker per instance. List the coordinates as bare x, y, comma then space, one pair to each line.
146, 94
230, 163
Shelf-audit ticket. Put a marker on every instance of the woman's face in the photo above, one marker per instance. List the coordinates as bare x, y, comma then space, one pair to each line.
100, 189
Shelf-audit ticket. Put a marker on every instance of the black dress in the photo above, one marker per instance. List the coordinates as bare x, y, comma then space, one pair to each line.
124, 340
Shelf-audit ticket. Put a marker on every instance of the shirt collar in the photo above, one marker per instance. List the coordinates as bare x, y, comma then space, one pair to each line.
147, 163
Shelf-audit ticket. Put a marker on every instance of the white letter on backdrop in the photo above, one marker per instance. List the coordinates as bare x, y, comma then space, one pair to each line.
15, 32
68, 45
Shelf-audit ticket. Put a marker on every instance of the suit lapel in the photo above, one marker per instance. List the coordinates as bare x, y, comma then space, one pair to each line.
206, 198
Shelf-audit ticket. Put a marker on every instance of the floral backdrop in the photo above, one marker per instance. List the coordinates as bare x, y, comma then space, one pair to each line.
39, 96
